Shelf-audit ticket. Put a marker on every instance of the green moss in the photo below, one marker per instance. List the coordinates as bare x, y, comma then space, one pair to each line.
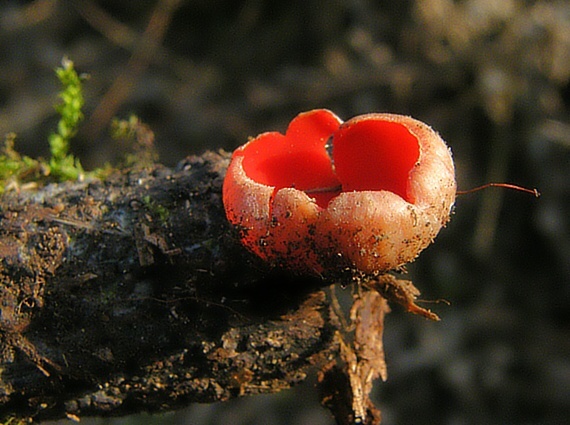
62, 164
157, 209
140, 139
17, 171
15, 168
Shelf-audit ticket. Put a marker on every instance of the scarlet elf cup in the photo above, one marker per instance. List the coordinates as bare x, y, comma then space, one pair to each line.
370, 193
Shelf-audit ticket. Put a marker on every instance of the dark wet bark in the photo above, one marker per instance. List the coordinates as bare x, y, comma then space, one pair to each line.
132, 294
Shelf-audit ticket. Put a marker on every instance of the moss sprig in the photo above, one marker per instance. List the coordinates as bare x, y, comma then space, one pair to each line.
18, 171
62, 164
14, 167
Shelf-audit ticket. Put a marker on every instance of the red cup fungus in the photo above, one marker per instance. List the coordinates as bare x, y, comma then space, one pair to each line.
372, 204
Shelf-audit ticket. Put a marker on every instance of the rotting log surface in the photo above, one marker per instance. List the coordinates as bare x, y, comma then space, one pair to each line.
132, 294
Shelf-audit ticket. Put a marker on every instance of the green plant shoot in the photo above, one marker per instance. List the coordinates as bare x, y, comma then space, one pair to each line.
62, 164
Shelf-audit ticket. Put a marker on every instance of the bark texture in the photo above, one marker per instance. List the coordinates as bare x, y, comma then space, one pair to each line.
133, 294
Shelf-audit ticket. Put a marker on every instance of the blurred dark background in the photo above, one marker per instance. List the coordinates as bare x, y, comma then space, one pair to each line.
492, 76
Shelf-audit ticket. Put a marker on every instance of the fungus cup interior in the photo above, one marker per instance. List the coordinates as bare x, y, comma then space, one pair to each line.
373, 154
368, 154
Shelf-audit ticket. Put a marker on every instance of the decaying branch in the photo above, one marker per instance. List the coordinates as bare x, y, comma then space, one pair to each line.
130, 294
346, 383
133, 294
